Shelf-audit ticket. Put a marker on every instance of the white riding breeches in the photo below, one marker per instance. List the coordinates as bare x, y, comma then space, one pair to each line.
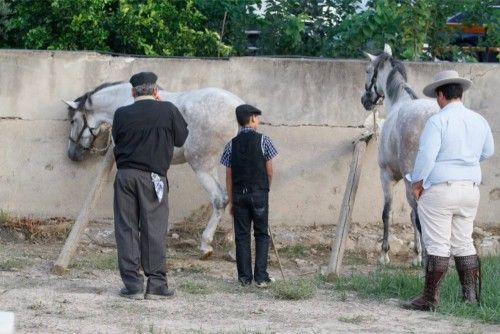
447, 211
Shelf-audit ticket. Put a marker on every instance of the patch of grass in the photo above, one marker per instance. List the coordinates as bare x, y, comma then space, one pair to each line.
15, 263
294, 251
294, 288
195, 288
4, 218
196, 269
152, 330
356, 258
357, 319
106, 261
405, 283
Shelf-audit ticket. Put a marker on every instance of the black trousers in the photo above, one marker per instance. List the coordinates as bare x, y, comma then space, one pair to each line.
140, 229
251, 207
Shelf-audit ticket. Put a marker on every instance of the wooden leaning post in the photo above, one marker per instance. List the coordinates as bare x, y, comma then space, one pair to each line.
61, 265
338, 244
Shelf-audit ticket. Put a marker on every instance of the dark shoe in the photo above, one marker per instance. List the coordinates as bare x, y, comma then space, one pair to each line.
163, 294
124, 292
469, 272
436, 270
265, 283
244, 282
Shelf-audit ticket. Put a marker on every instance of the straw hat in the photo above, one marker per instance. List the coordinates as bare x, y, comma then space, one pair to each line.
444, 78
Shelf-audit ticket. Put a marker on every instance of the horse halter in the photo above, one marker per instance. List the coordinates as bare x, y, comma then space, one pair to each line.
77, 140
368, 89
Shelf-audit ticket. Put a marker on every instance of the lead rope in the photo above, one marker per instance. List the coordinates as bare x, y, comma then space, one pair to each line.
479, 282
106, 127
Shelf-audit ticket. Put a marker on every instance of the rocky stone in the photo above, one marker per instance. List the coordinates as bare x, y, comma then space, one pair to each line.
175, 236
397, 245
19, 235
479, 232
303, 264
103, 238
489, 246
367, 244
187, 243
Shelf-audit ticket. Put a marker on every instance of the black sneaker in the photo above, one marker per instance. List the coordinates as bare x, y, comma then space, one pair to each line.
244, 282
126, 293
164, 294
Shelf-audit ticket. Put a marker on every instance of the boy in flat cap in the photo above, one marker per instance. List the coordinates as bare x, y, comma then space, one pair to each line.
145, 134
249, 172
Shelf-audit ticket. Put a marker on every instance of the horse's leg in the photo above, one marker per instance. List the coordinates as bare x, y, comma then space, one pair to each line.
210, 181
417, 229
388, 187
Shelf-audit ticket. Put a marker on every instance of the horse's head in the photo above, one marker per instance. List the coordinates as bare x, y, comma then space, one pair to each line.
83, 130
377, 72
90, 112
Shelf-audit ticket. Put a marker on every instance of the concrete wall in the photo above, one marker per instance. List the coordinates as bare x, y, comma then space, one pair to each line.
312, 108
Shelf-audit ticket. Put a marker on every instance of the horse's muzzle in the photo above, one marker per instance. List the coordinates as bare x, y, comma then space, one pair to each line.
367, 101
74, 153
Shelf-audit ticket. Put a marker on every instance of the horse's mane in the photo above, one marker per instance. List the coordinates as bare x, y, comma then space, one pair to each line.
393, 86
88, 96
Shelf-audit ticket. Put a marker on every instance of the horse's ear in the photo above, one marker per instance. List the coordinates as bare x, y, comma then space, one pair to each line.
71, 104
370, 56
387, 49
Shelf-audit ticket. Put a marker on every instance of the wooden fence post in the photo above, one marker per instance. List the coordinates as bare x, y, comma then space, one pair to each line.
338, 244
61, 265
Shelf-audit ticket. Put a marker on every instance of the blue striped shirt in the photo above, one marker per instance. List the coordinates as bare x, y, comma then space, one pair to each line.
268, 149
452, 144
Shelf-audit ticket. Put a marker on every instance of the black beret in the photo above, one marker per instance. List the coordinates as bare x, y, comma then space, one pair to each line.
143, 78
246, 110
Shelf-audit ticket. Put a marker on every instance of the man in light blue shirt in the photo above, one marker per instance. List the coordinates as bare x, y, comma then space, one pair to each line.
445, 182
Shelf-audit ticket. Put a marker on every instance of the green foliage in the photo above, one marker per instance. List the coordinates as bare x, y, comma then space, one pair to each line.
416, 29
407, 25
394, 282
240, 16
4, 13
294, 288
369, 29
151, 27
103, 261
195, 288
294, 251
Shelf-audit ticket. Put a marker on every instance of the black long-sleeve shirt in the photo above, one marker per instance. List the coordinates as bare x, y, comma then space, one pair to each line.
145, 134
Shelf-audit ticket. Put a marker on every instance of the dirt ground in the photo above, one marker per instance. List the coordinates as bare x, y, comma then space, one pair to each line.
208, 298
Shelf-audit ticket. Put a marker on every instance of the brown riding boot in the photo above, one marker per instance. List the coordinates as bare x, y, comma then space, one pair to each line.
469, 271
434, 274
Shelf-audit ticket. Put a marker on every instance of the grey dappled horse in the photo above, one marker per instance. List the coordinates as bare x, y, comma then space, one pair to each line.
405, 117
211, 120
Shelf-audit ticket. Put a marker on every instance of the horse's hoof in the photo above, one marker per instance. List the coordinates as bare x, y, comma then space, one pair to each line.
384, 259
417, 261
231, 256
206, 255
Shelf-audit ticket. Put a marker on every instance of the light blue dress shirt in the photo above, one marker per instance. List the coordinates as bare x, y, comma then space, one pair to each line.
452, 144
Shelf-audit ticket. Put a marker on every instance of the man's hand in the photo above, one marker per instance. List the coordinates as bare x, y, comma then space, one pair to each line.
417, 189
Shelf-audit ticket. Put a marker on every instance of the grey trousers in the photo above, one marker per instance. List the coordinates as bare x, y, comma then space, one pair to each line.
141, 224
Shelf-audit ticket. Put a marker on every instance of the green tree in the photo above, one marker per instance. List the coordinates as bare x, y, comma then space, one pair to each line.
240, 15
4, 13
150, 27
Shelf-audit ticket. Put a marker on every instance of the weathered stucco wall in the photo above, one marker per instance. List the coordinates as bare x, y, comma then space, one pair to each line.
311, 107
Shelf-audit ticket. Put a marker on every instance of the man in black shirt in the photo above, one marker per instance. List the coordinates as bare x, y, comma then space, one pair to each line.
145, 134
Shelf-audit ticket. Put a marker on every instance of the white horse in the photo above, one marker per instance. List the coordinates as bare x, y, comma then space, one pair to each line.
209, 113
405, 117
